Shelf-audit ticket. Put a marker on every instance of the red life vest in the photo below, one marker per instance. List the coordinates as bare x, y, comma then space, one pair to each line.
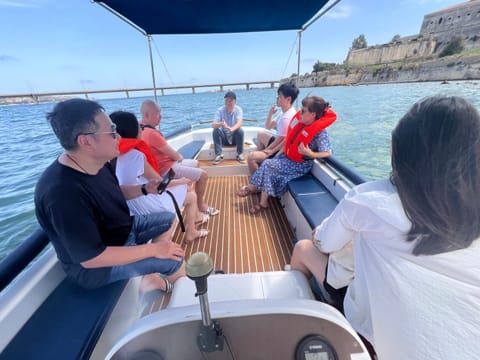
299, 133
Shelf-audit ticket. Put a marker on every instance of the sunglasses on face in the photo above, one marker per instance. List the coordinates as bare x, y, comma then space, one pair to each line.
113, 132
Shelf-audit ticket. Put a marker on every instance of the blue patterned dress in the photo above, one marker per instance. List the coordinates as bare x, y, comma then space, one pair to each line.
274, 174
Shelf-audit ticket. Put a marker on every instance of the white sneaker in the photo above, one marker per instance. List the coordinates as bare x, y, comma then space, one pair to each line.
218, 159
241, 158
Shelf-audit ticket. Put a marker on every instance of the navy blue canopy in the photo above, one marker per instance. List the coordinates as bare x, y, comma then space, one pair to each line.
214, 16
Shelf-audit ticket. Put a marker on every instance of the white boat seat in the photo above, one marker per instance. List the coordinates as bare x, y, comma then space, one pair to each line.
248, 286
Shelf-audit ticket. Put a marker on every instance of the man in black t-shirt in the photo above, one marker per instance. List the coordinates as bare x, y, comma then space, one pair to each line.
83, 210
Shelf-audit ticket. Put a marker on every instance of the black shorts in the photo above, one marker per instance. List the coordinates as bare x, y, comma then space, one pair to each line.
337, 295
271, 140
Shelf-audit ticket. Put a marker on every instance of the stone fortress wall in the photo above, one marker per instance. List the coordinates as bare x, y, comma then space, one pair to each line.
462, 20
436, 31
405, 48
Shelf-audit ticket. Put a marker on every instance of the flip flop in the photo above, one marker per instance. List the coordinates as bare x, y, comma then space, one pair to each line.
244, 191
168, 286
257, 208
212, 211
203, 233
168, 289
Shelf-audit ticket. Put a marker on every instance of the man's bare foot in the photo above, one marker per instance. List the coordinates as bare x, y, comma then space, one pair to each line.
197, 234
153, 282
202, 219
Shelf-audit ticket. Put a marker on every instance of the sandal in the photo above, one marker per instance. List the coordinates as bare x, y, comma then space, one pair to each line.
212, 211
257, 208
168, 286
244, 191
203, 233
204, 220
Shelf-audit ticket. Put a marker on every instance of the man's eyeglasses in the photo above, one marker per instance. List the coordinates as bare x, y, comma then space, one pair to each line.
113, 132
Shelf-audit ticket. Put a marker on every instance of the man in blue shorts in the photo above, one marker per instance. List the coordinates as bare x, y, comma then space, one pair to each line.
83, 210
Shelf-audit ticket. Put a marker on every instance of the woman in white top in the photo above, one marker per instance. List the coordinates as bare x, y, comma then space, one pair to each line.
414, 287
136, 165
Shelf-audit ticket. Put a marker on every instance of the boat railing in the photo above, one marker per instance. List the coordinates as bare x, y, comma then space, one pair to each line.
345, 171
21, 257
182, 130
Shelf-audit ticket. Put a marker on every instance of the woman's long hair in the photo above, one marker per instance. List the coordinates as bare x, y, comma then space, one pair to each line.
436, 169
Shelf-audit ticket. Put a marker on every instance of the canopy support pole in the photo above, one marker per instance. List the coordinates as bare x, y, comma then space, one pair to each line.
298, 60
152, 67
304, 27
136, 27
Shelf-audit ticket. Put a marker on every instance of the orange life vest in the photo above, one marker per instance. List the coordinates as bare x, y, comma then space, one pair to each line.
127, 144
299, 133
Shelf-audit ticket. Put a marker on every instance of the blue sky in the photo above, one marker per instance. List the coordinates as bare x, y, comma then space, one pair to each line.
52, 45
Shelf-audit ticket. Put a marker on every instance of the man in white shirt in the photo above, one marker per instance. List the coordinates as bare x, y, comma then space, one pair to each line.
267, 143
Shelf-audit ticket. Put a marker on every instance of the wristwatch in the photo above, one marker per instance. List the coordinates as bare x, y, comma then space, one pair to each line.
144, 190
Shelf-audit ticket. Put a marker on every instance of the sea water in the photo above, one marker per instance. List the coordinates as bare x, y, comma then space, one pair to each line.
360, 137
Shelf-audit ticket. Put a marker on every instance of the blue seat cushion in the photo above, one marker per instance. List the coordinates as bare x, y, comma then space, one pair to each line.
67, 325
305, 185
316, 207
190, 150
312, 198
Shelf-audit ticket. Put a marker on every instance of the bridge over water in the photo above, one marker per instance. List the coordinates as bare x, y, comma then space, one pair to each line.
37, 97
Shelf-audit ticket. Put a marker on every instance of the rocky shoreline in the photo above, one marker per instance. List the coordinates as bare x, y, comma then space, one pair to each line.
443, 69
33, 99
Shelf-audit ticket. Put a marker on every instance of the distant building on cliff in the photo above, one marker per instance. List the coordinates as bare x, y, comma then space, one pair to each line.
437, 30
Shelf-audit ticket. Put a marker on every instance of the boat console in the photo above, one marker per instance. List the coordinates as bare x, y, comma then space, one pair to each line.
249, 316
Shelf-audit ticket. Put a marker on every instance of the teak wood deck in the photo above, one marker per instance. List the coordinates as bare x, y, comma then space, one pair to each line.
237, 241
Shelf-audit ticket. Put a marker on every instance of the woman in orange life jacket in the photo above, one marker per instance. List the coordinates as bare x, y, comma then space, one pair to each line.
306, 140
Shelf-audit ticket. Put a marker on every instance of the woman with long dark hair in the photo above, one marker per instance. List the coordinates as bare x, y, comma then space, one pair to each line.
414, 288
